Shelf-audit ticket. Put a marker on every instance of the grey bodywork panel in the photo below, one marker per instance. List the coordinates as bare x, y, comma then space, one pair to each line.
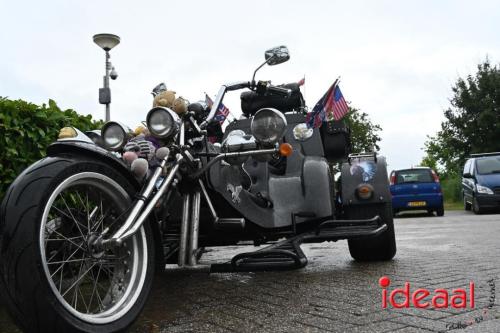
365, 171
305, 186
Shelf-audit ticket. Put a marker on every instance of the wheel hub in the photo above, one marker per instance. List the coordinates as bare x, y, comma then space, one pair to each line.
95, 246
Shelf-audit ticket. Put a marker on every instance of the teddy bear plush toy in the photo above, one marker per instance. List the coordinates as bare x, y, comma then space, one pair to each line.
166, 98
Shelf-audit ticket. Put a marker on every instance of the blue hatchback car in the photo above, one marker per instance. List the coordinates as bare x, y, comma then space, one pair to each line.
416, 189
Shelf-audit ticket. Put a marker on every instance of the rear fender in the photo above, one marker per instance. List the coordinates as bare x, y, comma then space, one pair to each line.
365, 170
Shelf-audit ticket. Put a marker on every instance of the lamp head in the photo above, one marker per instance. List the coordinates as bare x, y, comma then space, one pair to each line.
106, 41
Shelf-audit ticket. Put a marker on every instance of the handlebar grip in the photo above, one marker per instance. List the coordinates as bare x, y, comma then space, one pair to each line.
280, 91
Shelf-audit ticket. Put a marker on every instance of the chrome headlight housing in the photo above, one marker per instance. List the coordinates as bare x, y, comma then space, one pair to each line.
268, 126
115, 135
162, 122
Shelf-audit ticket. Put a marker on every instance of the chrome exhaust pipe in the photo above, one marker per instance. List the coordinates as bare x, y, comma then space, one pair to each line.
183, 239
194, 230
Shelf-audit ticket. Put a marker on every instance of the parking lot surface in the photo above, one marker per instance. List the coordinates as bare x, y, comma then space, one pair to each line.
334, 293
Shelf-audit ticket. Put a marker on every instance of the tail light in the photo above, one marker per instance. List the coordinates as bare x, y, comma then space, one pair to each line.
393, 179
435, 176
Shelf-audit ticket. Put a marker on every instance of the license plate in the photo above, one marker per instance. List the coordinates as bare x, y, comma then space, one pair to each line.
416, 204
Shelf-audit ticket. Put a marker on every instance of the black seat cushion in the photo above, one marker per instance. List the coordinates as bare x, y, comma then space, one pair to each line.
251, 102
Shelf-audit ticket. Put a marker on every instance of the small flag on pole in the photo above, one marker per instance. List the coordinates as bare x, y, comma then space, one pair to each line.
222, 111
331, 105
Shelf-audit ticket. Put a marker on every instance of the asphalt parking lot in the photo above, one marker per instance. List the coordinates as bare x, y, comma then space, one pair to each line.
334, 293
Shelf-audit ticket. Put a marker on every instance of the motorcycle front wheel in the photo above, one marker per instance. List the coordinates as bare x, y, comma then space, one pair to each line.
53, 276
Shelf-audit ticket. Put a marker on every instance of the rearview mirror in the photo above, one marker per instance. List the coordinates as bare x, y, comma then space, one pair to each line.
277, 55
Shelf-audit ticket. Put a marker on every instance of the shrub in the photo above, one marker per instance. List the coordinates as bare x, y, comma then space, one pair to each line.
27, 129
452, 188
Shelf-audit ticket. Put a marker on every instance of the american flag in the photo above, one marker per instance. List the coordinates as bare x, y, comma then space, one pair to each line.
331, 105
221, 113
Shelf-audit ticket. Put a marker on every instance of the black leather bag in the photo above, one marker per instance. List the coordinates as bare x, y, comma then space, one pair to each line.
251, 101
336, 137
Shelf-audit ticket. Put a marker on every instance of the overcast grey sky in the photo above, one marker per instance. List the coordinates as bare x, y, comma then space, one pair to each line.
397, 59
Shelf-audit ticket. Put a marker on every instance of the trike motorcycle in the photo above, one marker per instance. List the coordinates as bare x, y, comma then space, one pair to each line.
83, 230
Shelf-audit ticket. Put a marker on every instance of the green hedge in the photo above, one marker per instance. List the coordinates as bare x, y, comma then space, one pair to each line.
452, 188
27, 129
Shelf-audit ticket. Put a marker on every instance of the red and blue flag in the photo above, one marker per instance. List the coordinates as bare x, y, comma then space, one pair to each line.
222, 111
331, 105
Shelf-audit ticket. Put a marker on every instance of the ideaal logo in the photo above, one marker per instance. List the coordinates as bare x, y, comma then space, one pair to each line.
459, 298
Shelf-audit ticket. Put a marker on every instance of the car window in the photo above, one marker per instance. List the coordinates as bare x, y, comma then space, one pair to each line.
488, 165
414, 176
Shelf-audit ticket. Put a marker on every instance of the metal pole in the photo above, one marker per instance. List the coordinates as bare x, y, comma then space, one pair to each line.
106, 84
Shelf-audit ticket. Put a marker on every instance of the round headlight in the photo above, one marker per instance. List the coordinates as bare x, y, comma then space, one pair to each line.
95, 136
115, 135
162, 122
268, 126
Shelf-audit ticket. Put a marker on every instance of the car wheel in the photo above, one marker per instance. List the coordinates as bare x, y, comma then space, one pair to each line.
475, 206
467, 205
440, 211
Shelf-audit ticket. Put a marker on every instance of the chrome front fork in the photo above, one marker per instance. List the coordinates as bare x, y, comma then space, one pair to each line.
190, 226
139, 213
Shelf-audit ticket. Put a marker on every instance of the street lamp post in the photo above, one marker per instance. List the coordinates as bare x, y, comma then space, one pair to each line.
107, 42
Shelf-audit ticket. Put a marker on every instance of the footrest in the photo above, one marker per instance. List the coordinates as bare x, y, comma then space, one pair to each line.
285, 255
347, 229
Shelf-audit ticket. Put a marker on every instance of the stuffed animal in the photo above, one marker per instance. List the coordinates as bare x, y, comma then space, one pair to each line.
180, 106
164, 98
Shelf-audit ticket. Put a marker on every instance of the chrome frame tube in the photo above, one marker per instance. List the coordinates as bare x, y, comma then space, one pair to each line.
235, 154
207, 199
194, 229
184, 230
182, 135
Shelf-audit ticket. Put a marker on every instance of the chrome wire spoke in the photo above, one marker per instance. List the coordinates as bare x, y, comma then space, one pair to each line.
75, 220
69, 240
78, 224
66, 261
96, 282
83, 300
86, 208
100, 222
75, 293
62, 265
62, 239
78, 280
102, 214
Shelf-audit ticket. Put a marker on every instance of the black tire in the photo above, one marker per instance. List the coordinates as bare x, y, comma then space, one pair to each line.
440, 211
467, 205
380, 248
26, 289
476, 208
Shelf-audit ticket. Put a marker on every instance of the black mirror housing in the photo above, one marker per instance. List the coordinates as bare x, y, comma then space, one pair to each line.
277, 55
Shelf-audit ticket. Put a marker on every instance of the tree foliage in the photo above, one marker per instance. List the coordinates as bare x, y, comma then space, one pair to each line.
472, 122
27, 129
364, 133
